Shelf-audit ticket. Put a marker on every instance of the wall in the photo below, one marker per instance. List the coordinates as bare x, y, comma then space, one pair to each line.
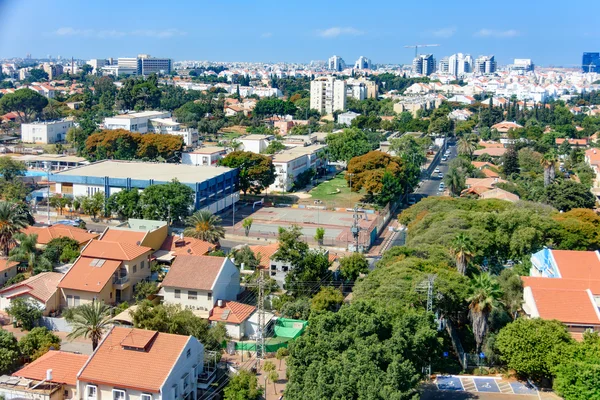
233, 331
7, 274
193, 365
104, 392
227, 284
156, 237
202, 301
106, 294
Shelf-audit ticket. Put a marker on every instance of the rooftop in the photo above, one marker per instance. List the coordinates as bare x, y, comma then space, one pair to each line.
257, 137
113, 250
160, 172
89, 274
47, 233
5, 264
141, 114
194, 272
231, 312
64, 365
144, 370
41, 286
183, 246
123, 236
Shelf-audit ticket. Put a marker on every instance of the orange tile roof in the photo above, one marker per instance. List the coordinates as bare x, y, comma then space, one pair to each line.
265, 253
123, 236
83, 276
492, 151
114, 250
41, 286
47, 233
567, 306
6, 265
194, 272
187, 246
238, 312
577, 264
64, 365
480, 164
115, 365
499, 194
489, 173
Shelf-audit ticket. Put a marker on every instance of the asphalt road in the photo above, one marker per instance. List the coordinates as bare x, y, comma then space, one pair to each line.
429, 187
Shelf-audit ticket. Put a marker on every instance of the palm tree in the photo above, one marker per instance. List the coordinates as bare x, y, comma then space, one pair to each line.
549, 161
12, 220
455, 181
463, 251
204, 225
466, 147
484, 293
27, 252
90, 320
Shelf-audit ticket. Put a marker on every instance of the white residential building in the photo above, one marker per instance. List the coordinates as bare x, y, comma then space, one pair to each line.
485, 65
336, 63
424, 64
460, 64
327, 95
204, 156
291, 163
134, 122
45, 132
363, 63
97, 64
346, 118
256, 143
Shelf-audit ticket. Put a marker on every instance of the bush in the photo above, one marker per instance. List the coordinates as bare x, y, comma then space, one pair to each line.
25, 312
63, 249
9, 352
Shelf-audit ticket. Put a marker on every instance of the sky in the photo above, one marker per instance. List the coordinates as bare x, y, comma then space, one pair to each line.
549, 32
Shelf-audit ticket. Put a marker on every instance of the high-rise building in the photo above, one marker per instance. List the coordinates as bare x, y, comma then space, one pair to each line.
97, 64
336, 63
53, 70
591, 62
148, 65
460, 64
444, 66
522, 65
363, 63
485, 65
424, 64
327, 95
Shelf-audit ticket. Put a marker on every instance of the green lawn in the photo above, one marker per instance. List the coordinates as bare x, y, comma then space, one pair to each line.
335, 193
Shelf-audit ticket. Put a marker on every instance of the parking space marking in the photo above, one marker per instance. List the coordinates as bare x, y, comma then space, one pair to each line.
522, 388
469, 384
505, 387
487, 385
449, 383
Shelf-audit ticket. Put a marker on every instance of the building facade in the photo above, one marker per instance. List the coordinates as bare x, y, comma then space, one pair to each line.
45, 132
363, 63
590, 62
134, 122
424, 64
148, 65
336, 63
327, 95
485, 65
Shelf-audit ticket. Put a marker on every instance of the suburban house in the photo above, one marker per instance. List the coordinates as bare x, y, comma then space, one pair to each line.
573, 143
592, 158
47, 233
505, 126
236, 317
256, 143
64, 367
179, 245
198, 282
106, 271
8, 269
564, 285
209, 155
41, 289
140, 232
137, 364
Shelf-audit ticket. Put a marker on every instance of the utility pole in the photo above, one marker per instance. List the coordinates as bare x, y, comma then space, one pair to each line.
355, 228
260, 335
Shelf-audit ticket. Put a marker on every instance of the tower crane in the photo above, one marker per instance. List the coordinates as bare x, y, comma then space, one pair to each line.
416, 47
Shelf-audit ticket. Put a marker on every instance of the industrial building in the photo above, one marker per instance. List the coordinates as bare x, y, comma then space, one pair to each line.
214, 187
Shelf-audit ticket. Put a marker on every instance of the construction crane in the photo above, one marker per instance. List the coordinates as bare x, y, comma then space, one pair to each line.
416, 47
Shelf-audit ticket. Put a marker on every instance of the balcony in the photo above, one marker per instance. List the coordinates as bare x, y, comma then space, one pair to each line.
121, 282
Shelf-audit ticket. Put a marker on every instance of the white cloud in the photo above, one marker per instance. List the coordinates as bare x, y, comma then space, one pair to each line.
112, 33
444, 32
497, 34
266, 35
339, 31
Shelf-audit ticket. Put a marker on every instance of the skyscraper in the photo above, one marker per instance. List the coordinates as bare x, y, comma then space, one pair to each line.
591, 62
444, 66
460, 64
327, 95
336, 63
485, 65
363, 63
424, 64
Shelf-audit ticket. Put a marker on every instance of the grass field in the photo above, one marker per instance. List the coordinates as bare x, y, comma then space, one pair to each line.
334, 193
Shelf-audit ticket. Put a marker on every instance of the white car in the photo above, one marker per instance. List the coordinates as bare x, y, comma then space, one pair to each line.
436, 171
440, 175
445, 158
441, 188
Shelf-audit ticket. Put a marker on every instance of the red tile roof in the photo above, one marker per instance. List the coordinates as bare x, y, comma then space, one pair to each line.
265, 253
123, 236
87, 277
238, 312
116, 365
41, 286
6, 265
577, 264
194, 272
64, 365
47, 233
567, 306
187, 246
114, 250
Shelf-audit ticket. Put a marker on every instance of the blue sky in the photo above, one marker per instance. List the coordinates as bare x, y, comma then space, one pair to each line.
549, 32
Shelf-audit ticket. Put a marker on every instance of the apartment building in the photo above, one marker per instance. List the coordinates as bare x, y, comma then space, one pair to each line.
460, 64
346, 118
485, 65
336, 63
424, 64
327, 95
292, 162
356, 89
148, 65
256, 143
53, 70
363, 63
135, 121
45, 132
209, 155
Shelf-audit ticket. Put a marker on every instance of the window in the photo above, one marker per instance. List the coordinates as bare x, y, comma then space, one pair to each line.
142, 264
188, 353
76, 300
209, 295
91, 391
175, 391
186, 382
134, 269
177, 293
146, 396
192, 295
118, 394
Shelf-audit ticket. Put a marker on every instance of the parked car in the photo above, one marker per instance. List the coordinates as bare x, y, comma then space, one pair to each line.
412, 200
436, 171
444, 158
440, 175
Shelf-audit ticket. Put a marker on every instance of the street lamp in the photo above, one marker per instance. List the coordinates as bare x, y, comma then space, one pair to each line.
47, 167
317, 203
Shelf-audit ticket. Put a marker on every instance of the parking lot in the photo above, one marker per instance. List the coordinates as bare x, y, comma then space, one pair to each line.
479, 387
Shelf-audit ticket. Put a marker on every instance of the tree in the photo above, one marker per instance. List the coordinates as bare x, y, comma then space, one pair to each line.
273, 376
9, 352
578, 374
349, 143
466, 147
510, 162
455, 181
281, 354
328, 299
25, 102
247, 224
483, 299
533, 347
243, 386
382, 176
549, 161
256, 171
463, 251
313, 267
63, 249
169, 202
353, 265
38, 342
37, 74
12, 220
272, 106
90, 320
291, 248
511, 286
145, 289
126, 203
206, 226
566, 195
246, 256
320, 235
27, 252
25, 312
268, 366
296, 309
93, 205
275, 146
11, 168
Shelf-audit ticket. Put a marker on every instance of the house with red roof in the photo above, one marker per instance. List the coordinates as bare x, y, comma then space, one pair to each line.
40, 289
106, 271
564, 285
45, 234
8, 269
241, 320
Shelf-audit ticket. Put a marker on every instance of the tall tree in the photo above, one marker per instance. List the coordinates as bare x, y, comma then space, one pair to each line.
484, 295
350, 143
25, 102
90, 320
549, 161
466, 147
256, 171
12, 220
11, 168
172, 201
565, 195
9, 352
455, 181
204, 225
353, 265
126, 203
463, 251
510, 161
27, 252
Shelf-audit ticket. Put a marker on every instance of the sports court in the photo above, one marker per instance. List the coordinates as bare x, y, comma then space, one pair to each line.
475, 384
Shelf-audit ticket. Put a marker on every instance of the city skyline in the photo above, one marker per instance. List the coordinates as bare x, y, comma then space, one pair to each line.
272, 32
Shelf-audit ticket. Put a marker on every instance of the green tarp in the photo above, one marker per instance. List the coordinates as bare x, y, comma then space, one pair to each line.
285, 330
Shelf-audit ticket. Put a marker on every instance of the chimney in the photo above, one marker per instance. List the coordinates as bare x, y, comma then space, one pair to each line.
220, 303
48, 375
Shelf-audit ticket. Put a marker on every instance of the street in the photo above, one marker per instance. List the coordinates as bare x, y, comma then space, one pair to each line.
429, 187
